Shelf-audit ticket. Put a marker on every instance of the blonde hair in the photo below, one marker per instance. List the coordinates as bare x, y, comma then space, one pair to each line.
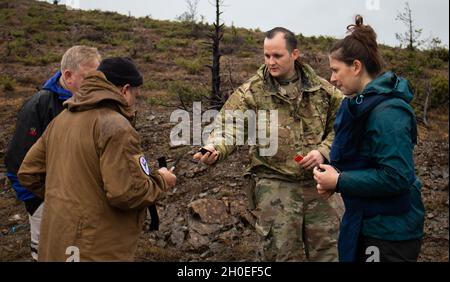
78, 55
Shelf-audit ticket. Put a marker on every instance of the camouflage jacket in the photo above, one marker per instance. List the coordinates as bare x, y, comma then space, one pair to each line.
304, 123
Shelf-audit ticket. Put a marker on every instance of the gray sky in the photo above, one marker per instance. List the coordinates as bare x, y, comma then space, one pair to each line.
309, 17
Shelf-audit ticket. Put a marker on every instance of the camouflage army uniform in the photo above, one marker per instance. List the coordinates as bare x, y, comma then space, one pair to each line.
295, 223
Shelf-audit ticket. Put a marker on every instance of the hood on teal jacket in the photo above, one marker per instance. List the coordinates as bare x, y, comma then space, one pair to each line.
390, 84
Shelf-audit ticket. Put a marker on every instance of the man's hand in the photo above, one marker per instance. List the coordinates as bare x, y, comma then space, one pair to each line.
326, 178
168, 176
208, 158
312, 160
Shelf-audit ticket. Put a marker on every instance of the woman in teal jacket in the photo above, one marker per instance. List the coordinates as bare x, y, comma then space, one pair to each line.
371, 159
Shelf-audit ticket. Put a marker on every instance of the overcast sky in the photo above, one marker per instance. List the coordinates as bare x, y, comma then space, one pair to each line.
309, 17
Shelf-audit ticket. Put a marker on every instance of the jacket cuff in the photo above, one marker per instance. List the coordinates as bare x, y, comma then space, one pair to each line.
325, 151
220, 150
159, 181
338, 190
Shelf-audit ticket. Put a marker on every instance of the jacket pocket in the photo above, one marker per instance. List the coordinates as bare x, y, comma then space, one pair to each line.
85, 234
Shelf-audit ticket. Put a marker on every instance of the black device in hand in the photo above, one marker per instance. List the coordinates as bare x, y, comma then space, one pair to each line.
154, 217
162, 162
204, 151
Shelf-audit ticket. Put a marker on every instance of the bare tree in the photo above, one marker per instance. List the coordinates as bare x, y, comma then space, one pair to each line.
55, 2
216, 36
426, 102
192, 12
411, 37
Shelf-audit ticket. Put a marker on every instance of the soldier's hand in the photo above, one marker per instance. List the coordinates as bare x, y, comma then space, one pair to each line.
312, 160
209, 158
168, 176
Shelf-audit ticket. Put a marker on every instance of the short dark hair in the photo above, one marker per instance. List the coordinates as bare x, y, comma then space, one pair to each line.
289, 36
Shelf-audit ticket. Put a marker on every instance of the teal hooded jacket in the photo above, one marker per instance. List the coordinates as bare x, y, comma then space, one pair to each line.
387, 142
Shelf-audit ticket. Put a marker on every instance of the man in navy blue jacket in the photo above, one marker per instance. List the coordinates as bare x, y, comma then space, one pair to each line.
33, 118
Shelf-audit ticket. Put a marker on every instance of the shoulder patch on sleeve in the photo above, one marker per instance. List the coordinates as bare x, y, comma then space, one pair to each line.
144, 165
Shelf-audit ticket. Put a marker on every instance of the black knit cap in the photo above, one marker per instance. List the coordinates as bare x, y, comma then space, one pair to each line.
121, 71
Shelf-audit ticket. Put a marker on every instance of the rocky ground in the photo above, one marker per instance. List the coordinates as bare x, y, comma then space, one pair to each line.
205, 217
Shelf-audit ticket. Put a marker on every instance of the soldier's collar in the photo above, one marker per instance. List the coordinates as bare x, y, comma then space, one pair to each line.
308, 81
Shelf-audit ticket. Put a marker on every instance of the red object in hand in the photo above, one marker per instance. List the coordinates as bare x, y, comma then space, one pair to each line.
298, 158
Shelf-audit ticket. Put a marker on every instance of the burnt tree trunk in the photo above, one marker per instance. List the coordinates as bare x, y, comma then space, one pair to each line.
216, 95
426, 102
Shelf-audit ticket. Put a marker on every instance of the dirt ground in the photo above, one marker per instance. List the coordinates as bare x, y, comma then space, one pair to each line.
186, 234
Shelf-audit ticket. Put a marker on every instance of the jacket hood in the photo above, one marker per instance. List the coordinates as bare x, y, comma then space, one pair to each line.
390, 84
53, 85
96, 90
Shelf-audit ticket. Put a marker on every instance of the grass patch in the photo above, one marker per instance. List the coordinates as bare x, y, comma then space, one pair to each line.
7, 83
192, 66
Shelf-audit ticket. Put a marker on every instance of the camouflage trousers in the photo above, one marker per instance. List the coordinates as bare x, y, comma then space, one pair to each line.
294, 222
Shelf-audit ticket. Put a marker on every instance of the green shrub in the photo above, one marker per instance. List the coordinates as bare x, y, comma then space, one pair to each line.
439, 53
17, 33
186, 92
192, 66
244, 54
439, 90
387, 54
170, 43
152, 101
435, 63
19, 47
250, 40
154, 85
39, 38
149, 58
7, 83
30, 60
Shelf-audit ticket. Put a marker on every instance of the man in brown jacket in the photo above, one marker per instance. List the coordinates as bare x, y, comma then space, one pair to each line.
89, 167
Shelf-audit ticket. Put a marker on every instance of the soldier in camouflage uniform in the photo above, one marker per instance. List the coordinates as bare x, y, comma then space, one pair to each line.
294, 222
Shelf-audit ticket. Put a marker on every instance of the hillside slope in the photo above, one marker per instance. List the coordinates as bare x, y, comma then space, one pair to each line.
172, 57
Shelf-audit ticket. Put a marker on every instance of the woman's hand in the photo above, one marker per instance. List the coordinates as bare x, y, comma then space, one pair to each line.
326, 177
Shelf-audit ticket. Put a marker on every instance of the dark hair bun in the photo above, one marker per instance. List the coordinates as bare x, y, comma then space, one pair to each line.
359, 23
359, 20
360, 44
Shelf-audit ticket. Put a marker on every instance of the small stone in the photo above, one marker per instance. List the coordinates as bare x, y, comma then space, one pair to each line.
15, 217
216, 247
206, 254
209, 210
189, 174
177, 236
247, 233
430, 215
203, 228
198, 241
161, 243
